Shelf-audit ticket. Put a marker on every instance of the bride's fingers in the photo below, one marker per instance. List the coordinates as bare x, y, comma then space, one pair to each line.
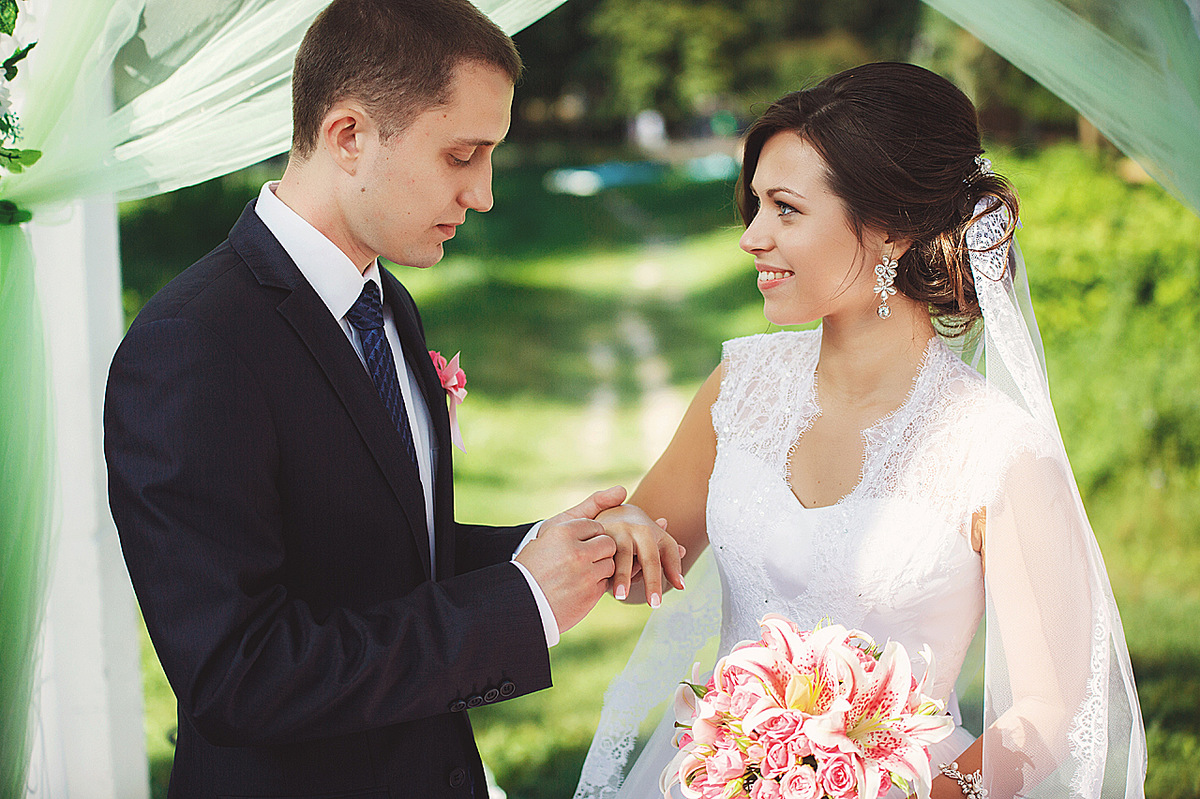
624, 564
672, 562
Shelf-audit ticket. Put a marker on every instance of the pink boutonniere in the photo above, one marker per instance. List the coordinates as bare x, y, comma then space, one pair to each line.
454, 380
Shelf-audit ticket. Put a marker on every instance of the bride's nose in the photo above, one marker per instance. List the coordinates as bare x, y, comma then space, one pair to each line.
755, 239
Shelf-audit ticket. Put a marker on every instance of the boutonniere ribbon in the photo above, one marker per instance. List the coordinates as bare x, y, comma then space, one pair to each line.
454, 380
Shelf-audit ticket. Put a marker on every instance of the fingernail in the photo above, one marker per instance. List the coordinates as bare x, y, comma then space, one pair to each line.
681, 583
621, 593
655, 600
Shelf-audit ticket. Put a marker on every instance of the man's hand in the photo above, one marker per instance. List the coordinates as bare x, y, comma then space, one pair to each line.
644, 551
572, 558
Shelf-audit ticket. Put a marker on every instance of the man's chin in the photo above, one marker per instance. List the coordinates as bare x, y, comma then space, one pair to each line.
423, 261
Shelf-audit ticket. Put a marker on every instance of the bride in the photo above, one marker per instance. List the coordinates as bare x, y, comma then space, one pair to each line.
866, 473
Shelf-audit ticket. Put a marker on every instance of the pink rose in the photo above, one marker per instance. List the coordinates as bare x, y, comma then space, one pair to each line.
743, 698
766, 789
777, 760
781, 727
801, 783
726, 765
885, 781
800, 746
838, 776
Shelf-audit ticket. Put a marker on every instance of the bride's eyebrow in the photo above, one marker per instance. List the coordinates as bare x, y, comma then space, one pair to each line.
770, 193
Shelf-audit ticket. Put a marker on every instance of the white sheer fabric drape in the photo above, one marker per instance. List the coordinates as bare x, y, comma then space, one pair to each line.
125, 99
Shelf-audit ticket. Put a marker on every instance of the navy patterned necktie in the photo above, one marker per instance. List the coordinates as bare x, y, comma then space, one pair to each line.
367, 317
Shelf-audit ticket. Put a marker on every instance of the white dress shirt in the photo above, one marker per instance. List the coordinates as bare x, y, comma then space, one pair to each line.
338, 283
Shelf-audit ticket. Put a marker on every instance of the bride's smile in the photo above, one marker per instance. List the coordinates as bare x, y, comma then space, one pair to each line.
810, 263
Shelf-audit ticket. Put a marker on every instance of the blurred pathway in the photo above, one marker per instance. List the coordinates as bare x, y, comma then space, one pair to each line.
661, 406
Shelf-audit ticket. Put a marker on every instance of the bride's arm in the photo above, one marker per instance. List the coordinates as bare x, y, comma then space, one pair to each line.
675, 489
1041, 610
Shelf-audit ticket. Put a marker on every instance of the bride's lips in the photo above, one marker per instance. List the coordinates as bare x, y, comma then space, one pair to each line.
770, 277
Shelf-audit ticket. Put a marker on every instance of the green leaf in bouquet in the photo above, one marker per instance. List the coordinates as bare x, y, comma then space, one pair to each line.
10, 64
8, 17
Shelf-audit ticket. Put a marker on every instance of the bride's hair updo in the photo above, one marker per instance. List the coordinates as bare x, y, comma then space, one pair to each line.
901, 144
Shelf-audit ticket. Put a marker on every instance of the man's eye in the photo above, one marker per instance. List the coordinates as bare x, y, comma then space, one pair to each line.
459, 161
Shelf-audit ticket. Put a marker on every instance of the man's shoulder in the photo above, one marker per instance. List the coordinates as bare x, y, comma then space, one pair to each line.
205, 289
223, 285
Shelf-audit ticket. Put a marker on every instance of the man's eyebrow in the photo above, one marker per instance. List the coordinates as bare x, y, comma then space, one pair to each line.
475, 142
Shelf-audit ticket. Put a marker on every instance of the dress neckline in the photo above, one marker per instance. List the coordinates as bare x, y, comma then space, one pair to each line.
869, 434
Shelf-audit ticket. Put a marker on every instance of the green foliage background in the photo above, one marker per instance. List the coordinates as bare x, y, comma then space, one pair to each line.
531, 289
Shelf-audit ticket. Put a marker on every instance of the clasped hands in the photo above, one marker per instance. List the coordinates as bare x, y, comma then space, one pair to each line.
601, 545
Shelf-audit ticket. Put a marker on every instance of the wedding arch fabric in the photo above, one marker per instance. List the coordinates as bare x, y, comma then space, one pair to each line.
125, 98
202, 89
1132, 67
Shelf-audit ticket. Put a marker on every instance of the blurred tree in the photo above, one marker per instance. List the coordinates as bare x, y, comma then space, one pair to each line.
594, 64
672, 55
1011, 104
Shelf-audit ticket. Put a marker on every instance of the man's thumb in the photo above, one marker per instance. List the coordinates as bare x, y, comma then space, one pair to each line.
597, 502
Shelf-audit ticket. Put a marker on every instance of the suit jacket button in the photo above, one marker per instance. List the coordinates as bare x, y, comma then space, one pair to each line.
491, 695
458, 777
474, 700
507, 688
458, 706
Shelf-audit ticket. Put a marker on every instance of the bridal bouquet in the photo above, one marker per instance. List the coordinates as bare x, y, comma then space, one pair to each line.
806, 715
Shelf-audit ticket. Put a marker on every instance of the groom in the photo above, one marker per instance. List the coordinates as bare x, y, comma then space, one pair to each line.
279, 450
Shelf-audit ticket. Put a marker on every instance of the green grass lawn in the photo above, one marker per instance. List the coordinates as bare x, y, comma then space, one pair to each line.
586, 323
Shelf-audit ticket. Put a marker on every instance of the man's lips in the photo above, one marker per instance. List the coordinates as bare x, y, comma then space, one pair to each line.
448, 229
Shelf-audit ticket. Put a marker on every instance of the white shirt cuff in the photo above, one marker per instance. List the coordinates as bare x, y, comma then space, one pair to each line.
532, 534
549, 623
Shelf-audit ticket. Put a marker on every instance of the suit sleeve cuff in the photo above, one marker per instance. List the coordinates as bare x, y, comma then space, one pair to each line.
549, 623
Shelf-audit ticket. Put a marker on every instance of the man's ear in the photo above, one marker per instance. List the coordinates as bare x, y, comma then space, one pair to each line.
344, 133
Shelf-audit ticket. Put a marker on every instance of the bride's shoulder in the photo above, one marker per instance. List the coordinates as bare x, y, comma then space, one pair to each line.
992, 424
784, 345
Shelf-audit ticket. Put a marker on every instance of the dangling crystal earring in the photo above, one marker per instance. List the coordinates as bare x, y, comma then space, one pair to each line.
885, 277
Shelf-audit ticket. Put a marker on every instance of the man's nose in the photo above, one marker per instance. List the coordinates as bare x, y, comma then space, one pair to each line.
478, 193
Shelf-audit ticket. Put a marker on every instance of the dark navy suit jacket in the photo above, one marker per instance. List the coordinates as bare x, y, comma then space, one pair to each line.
275, 534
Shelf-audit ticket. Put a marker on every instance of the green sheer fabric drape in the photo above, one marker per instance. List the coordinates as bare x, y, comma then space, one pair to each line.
129, 98
1132, 67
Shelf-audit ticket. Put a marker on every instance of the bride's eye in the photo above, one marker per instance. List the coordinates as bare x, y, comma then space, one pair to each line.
786, 210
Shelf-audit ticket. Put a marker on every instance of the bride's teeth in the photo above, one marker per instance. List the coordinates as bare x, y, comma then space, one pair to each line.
765, 277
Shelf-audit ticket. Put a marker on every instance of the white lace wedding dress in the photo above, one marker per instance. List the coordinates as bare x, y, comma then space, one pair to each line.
892, 558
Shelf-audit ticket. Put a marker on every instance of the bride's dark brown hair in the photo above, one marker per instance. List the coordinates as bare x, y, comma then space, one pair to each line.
900, 143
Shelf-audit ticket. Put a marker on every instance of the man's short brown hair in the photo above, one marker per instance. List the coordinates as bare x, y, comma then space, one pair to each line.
396, 57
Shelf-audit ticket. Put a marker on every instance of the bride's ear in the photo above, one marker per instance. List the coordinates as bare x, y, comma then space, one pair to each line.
898, 244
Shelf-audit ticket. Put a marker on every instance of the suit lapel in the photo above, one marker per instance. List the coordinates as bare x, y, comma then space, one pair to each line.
408, 325
331, 349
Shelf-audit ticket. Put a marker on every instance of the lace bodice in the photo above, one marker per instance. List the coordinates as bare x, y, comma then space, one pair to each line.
893, 557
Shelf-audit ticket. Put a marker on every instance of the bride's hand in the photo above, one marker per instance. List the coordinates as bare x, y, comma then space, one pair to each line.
645, 551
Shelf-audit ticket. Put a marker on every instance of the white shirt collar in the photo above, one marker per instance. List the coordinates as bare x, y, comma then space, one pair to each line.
332, 275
